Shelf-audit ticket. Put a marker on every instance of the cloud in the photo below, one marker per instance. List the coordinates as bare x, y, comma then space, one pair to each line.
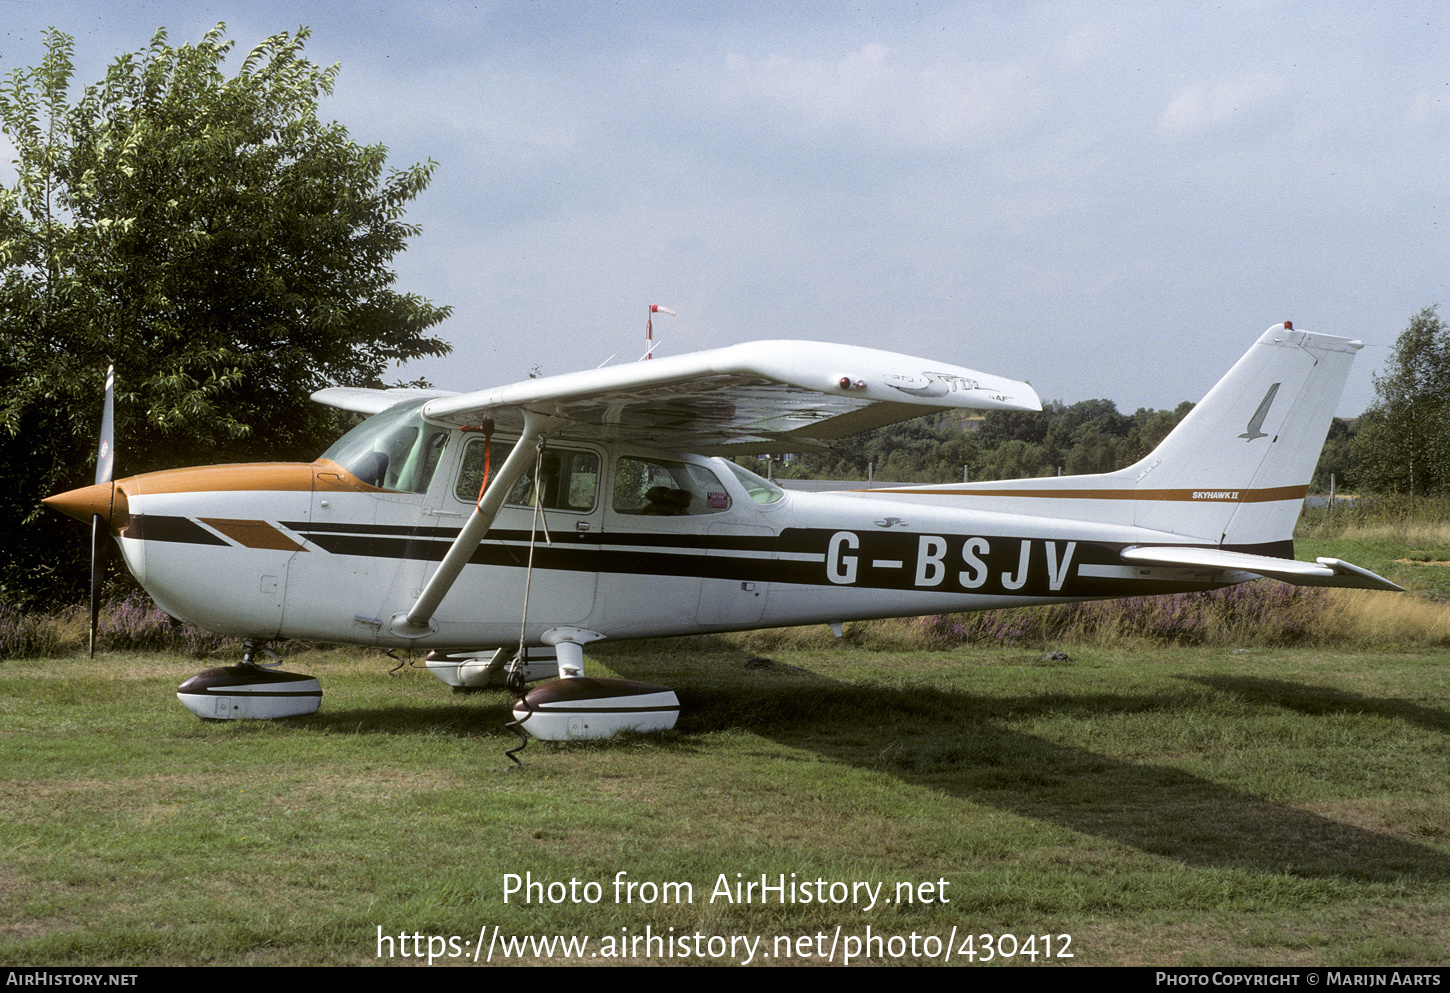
875, 93
1205, 105
1429, 107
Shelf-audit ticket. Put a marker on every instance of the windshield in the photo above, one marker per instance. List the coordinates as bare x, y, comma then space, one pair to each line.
761, 490
394, 450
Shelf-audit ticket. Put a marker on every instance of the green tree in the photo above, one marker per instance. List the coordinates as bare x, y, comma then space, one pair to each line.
1150, 427
1339, 458
1403, 442
211, 236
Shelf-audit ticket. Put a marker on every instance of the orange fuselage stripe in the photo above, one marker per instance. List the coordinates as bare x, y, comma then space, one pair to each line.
323, 475
253, 534
1199, 495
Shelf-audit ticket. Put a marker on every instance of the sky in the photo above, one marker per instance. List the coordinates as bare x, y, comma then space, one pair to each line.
1104, 199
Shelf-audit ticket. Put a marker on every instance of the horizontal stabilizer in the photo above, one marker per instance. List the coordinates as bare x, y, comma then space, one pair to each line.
1323, 572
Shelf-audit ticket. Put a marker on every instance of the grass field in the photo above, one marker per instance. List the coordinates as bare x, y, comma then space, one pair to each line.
1157, 805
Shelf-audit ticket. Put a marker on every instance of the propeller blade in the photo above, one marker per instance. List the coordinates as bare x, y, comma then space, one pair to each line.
105, 469
106, 455
98, 549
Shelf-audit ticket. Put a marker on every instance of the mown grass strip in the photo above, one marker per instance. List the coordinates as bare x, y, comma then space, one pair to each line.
1185, 805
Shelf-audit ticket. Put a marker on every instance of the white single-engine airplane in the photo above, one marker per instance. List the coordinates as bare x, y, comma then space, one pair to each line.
559, 511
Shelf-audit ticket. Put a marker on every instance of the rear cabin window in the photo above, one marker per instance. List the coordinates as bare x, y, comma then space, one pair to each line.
567, 479
655, 488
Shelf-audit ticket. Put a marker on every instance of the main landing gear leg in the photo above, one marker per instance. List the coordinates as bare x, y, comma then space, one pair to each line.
569, 648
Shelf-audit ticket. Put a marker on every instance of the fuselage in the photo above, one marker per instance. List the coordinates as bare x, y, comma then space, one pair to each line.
422, 527
628, 542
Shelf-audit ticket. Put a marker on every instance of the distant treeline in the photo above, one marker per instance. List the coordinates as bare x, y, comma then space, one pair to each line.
1090, 436
1071, 439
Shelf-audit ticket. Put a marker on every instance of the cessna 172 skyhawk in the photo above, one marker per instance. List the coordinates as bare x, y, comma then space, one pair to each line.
559, 511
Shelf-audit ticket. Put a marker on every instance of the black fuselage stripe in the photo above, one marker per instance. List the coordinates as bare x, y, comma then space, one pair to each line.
153, 527
763, 542
888, 560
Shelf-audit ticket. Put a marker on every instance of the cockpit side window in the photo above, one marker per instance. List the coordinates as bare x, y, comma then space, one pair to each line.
478, 455
567, 479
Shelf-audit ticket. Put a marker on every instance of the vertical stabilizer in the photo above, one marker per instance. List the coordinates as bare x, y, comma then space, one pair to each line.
1236, 470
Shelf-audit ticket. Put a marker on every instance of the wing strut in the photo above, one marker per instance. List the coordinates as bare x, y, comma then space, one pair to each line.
418, 621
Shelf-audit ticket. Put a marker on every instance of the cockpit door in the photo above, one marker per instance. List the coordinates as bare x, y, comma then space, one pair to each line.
553, 514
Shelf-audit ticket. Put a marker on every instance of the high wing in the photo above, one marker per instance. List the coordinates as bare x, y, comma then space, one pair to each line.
755, 398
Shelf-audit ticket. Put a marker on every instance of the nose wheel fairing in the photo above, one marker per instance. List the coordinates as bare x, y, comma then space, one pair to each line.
249, 692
